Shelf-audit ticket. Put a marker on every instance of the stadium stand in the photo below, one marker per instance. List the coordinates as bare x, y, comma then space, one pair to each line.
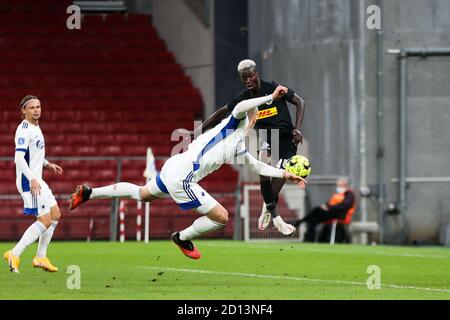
110, 89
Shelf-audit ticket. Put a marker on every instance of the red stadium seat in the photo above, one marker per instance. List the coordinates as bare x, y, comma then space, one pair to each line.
112, 90
111, 150
61, 151
86, 151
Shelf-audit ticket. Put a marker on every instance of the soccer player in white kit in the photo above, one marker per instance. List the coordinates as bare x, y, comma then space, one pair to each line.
37, 197
181, 173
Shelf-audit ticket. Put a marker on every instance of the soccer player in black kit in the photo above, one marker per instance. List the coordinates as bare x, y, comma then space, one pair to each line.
273, 116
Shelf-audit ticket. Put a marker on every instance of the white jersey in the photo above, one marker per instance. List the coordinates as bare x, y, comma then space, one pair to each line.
180, 174
217, 146
30, 140
222, 144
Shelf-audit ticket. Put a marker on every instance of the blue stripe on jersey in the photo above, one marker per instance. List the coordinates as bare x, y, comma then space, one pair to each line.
20, 149
25, 182
30, 211
231, 125
161, 184
189, 205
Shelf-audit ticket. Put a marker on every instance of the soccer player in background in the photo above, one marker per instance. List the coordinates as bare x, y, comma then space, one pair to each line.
37, 197
181, 173
270, 116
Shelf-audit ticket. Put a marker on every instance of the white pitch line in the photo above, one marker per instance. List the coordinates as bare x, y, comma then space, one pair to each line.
266, 276
340, 251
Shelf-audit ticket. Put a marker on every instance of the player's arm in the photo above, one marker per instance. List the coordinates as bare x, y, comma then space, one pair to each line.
22, 141
264, 169
52, 166
22, 165
299, 103
213, 120
240, 111
209, 123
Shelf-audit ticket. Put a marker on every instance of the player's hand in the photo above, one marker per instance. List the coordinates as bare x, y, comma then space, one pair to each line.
184, 132
279, 92
55, 168
297, 137
324, 207
35, 187
296, 179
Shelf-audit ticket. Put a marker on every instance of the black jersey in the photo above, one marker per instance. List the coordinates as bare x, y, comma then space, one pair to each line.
273, 116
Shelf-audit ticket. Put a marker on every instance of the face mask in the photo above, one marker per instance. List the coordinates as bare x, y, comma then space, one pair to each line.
340, 189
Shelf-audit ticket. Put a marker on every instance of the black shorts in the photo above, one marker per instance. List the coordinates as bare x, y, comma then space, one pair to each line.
287, 149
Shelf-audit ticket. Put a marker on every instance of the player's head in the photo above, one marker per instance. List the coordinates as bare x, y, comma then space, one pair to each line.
31, 108
249, 74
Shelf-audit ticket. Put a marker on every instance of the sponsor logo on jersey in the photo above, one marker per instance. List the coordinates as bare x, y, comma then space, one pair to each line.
267, 113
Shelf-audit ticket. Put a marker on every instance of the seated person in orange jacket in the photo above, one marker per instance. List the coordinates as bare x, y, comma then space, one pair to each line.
340, 206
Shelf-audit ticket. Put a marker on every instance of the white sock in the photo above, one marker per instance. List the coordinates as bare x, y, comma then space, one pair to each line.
45, 239
200, 226
30, 236
118, 190
278, 220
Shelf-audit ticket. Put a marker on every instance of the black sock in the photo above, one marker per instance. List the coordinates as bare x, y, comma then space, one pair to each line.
266, 191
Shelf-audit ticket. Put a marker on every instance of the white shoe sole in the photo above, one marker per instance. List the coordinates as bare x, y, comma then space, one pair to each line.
264, 220
286, 229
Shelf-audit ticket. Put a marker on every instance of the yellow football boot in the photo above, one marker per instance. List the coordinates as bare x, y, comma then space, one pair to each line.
44, 264
13, 261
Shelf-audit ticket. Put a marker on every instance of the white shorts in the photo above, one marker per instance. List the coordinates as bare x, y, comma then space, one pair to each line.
175, 179
38, 205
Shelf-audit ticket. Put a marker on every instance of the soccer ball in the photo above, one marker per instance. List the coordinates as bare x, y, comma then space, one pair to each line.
299, 165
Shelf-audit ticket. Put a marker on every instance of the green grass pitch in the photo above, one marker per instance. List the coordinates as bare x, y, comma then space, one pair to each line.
231, 270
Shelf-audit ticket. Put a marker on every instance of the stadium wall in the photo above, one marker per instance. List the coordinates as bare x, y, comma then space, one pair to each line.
231, 46
323, 51
191, 42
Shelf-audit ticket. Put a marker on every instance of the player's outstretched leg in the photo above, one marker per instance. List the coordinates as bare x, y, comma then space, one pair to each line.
215, 219
186, 246
117, 190
81, 195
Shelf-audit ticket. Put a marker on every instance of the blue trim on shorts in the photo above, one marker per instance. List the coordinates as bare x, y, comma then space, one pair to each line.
161, 184
30, 211
187, 187
189, 205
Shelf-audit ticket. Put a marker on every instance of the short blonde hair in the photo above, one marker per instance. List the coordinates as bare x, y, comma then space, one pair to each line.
246, 64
